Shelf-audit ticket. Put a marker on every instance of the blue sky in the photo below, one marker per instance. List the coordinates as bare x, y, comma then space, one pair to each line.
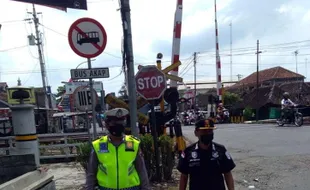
282, 26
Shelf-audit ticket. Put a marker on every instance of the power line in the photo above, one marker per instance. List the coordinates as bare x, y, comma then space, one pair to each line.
14, 48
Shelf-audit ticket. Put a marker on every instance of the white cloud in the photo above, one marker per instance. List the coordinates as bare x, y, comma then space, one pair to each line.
152, 21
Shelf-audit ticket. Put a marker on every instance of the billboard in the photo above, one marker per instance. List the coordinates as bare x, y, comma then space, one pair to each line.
60, 4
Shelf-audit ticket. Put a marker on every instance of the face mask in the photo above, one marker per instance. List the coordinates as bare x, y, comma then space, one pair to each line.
206, 139
117, 130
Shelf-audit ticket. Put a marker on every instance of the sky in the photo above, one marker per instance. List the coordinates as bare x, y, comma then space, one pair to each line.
281, 26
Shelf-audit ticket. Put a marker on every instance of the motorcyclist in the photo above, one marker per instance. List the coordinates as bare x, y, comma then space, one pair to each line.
286, 106
220, 109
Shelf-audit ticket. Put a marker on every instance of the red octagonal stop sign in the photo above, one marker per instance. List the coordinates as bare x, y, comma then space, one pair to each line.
150, 82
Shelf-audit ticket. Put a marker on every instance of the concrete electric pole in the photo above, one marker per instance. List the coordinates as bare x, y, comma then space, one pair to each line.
296, 53
239, 76
40, 52
195, 80
231, 79
257, 80
128, 51
306, 67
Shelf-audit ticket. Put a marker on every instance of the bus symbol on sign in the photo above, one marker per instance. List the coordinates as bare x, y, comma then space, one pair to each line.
90, 37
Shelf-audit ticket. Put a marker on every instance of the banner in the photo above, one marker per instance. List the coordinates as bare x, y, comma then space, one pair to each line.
59, 4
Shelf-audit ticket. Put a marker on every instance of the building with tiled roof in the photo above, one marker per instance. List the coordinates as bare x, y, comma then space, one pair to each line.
267, 77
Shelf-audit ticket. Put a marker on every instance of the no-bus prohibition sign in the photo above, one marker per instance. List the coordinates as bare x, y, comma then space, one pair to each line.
87, 37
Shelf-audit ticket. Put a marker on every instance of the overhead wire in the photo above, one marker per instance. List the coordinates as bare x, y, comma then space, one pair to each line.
13, 48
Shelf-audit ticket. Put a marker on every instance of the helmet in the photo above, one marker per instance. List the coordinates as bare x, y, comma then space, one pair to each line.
286, 95
205, 124
116, 115
220, 104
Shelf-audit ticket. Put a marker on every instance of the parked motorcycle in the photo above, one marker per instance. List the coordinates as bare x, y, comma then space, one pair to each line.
296, 119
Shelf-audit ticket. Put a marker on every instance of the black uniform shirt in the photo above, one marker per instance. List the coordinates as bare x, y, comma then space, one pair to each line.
205, 167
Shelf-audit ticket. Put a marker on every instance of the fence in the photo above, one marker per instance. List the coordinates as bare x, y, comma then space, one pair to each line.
52, 146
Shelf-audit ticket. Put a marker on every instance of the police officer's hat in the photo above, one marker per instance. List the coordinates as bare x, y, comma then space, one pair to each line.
116, 114
205, 124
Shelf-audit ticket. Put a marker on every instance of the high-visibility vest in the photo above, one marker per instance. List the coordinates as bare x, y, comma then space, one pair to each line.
116, 169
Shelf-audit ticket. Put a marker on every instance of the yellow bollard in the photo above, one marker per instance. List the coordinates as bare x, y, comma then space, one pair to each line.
164, 130
181, 143
242, 119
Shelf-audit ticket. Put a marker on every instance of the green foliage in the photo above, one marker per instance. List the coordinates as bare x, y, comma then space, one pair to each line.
83, 152
231, 98
60, 91
247, 113
167, 156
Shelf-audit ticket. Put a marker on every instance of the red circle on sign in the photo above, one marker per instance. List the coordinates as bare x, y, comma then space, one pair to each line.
150, 82
74, 26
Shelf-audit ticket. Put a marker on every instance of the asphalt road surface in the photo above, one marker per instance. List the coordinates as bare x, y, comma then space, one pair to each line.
267, 157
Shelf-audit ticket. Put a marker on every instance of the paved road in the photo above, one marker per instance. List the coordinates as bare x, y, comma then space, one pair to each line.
279, 157
260, 140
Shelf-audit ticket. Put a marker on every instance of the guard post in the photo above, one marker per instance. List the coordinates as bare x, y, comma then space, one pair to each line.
24, 123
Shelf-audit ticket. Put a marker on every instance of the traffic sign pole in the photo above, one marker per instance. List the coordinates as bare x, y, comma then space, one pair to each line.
87, 38
155, 139
151, 84
92, 102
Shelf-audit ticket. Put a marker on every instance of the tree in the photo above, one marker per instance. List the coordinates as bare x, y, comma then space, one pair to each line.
231, 98
60, 92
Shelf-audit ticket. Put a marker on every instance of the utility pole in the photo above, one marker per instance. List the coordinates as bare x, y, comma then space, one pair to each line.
230, 51
40, 52
257, 81
128, 50
239, 76
306, 65
296, 53
195, 80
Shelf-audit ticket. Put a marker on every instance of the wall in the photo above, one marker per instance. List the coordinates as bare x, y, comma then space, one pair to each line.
14, 166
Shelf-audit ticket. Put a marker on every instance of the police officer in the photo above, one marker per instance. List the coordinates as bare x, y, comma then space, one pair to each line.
116, 161
205, 162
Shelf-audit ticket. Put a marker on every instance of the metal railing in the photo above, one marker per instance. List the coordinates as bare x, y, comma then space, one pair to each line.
51, 146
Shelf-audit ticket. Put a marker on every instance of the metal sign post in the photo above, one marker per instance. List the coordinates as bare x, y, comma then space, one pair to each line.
88, 126
92, 101
155, 139
88, 38
151, 85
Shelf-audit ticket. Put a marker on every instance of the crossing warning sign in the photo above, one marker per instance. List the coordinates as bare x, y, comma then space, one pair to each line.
82, 96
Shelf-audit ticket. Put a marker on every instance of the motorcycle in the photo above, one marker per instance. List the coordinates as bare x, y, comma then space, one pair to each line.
296, 119
224, 118
186, 120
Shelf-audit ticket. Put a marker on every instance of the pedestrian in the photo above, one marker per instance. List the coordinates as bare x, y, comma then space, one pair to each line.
206, 163
116, 161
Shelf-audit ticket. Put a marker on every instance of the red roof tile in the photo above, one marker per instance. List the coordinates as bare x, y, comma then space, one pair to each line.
268, 74
3, 84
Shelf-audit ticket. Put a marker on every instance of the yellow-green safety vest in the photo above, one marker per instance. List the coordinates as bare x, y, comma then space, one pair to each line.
116, 169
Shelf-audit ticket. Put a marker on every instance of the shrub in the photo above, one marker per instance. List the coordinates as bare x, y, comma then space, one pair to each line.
83, 152
167, 156
247, 113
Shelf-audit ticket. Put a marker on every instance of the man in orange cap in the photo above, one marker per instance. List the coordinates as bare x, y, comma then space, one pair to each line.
207, 163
